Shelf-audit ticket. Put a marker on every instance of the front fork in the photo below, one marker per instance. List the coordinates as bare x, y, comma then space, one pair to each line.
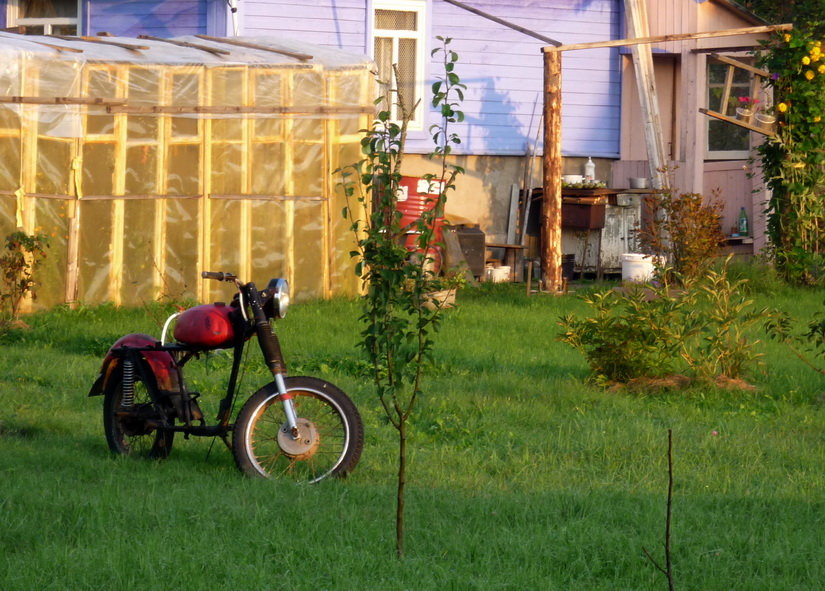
271, 349
289, 406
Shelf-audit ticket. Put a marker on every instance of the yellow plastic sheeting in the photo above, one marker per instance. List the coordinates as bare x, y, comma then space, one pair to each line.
148, 166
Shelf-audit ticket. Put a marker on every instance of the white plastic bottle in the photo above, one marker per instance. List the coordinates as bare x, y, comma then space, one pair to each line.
589, 169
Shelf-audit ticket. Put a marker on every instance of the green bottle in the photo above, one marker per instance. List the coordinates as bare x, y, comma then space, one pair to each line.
743, 222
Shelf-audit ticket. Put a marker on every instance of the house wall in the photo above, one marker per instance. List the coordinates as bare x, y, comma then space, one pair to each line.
502, 68
164, 18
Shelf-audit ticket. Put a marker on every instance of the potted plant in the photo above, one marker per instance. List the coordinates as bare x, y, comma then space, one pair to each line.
744, 111
766, 117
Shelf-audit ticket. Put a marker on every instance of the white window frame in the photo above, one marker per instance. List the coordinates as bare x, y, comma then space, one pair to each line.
420, 35
721, 154
13, 18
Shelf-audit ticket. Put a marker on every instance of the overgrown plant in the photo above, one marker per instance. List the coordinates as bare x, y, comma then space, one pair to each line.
21, 256
684, 229
644, 331
793, 161
399, 327
808, 346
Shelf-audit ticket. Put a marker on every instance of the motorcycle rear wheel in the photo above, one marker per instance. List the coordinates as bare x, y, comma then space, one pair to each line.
133, 431
331, 433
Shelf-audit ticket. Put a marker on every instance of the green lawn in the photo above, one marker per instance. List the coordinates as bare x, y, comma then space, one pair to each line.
521, 477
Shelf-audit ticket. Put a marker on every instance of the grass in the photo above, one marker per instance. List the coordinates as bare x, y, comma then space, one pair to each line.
522, 476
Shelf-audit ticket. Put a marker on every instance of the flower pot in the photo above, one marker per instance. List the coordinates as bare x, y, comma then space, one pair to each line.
765, 120
744, 114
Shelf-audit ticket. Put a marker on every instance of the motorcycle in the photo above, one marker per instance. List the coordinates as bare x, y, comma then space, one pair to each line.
301, 427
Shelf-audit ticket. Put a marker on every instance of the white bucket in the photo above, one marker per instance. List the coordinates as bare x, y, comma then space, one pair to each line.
637, 267
498, 274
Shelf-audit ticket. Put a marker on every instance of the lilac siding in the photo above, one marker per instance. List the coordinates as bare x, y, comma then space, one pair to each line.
334, 23
165, 18
502, 68
504, 73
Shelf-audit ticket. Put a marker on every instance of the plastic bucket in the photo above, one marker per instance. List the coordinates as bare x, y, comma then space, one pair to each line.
498, 274
637, 267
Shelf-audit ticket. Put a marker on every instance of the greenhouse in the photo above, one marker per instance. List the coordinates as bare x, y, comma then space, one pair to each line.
146, 161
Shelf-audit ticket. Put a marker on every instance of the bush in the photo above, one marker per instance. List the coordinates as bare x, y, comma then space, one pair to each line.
684, 229
21, 256
654, 330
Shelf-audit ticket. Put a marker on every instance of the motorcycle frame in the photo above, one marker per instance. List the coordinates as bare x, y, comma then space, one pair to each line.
259, 325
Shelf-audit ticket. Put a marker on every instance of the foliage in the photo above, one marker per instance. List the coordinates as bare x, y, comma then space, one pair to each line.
20, 258
802, 13
398, 325
793, 161
808, 345
654, 330
684, 230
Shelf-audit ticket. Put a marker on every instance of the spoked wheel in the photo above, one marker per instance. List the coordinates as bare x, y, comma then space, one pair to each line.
132, 426
330, 433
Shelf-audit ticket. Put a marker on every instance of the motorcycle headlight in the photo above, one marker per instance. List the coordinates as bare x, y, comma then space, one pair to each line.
279, 291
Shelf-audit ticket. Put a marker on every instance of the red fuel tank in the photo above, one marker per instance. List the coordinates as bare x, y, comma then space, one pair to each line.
208, 326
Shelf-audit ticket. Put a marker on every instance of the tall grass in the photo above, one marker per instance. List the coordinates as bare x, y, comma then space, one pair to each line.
522, 476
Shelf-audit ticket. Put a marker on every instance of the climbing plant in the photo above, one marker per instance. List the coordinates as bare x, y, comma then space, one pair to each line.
794, 160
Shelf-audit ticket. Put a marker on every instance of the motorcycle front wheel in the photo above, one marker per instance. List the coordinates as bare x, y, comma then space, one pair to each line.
330, 433
132, 429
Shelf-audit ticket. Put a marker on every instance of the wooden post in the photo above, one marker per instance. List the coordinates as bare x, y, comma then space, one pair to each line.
551, 212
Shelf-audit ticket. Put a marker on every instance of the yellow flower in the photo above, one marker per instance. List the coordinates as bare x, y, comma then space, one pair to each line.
806, 60
787, 37
817, 119
809, 74
821, 69
782, 107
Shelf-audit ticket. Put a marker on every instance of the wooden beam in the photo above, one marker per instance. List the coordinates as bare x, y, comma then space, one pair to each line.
299, 56
128, 46
763, 130
551, 210
673, 37
215, 50
503, 22
736, 63
636, 13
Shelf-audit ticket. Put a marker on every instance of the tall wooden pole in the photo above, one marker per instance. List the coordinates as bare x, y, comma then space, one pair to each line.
551, 210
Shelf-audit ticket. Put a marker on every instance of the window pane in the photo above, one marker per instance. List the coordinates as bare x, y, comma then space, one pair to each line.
395, 20
383, 58
48, 8
406, 72
724, 137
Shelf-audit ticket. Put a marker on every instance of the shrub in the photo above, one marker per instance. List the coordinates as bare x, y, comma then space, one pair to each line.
653, 330
684, 229
21, 256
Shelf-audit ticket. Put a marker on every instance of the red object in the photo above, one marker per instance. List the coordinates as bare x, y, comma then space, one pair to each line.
161, 363
418, 196
208, 326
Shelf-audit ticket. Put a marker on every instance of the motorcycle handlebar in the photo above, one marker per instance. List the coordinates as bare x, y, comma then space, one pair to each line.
218, 276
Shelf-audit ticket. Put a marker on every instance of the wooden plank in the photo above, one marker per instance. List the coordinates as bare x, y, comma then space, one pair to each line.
733, 62
648, 96
739, 122
129, 46
299, 56
214, 50
551, 212
239, 110
60, 100
667, 38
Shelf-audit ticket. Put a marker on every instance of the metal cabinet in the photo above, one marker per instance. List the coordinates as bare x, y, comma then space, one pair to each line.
600, 251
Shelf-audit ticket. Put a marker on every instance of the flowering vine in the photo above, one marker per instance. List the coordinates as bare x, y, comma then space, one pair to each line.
794, 160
